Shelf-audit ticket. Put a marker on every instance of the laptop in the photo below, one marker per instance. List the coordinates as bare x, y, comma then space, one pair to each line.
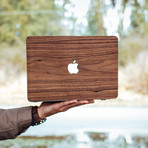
63, 68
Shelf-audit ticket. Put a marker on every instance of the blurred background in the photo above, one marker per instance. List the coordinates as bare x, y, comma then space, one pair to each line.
112, 123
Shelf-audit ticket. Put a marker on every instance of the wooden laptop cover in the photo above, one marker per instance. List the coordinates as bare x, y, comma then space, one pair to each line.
48, 57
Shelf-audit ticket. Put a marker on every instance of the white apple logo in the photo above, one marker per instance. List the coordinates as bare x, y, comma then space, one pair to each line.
72, 67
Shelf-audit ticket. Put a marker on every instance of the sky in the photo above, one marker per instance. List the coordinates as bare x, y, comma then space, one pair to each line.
111, 20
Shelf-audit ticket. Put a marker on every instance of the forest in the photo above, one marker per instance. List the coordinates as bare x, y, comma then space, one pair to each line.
126, 19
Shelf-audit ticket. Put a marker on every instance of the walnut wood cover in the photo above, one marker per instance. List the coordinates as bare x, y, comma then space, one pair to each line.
47, 74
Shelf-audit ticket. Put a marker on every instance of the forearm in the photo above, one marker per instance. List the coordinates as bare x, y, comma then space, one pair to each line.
13, 122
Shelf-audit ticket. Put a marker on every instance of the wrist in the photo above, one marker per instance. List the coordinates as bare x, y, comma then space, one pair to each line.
36, 120
40, 113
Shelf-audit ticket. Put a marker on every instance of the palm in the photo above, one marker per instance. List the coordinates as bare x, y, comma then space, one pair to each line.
49, 108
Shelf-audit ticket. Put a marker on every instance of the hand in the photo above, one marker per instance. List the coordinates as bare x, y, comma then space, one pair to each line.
49, 108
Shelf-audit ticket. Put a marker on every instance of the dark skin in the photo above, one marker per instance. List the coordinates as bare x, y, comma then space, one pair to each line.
49, 108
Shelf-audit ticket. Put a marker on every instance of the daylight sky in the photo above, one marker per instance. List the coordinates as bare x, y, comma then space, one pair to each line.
111, 20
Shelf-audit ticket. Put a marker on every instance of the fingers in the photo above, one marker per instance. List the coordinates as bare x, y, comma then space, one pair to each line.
62, 104
51, 102
91, 101
79, 103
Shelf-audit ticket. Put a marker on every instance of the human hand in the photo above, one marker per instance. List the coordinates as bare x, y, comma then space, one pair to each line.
49, 108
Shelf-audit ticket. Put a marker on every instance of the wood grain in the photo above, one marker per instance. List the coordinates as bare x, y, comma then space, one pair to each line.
48, 78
